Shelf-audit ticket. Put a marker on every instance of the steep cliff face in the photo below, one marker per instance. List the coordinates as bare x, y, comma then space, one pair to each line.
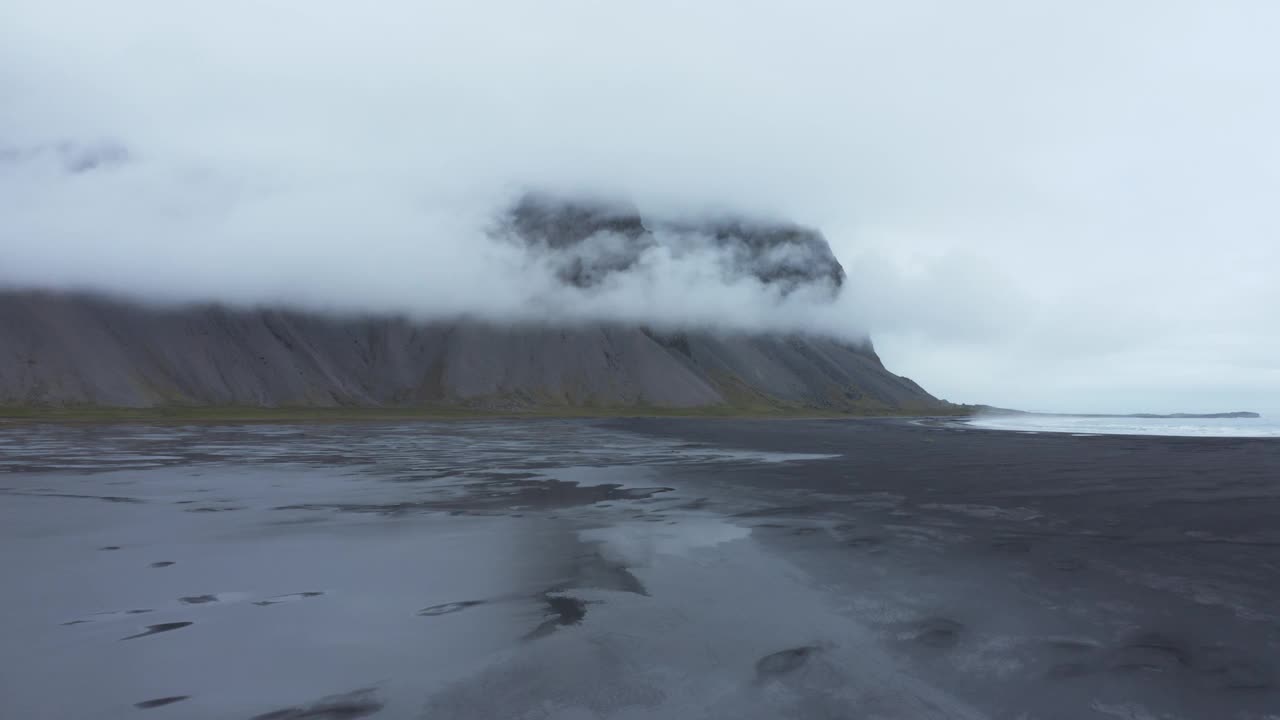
76, 349
588, 240
60, 349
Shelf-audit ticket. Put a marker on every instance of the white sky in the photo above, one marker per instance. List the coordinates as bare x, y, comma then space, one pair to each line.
1045, 205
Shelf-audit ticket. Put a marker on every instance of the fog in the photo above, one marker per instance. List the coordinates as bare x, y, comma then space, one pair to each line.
1062, 206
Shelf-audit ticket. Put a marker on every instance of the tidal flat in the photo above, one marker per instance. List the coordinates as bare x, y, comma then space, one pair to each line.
635, 568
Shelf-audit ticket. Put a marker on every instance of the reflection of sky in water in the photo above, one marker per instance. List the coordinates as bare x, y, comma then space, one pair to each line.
638, 543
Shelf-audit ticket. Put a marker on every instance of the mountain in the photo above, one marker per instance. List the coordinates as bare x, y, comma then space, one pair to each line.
77, 349
588, 240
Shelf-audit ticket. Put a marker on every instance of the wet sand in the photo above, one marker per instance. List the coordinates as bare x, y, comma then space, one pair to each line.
657, 568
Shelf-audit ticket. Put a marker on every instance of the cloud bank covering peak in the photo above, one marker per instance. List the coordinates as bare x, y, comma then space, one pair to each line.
1052, 206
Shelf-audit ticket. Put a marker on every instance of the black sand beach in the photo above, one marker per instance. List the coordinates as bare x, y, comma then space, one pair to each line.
646, 568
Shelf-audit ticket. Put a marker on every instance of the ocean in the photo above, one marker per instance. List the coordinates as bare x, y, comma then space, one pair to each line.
1266, 426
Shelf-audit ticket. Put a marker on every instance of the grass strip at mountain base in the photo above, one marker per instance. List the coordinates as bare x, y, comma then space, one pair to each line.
239, 413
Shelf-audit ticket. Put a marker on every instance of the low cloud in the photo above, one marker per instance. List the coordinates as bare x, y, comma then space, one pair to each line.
172, 234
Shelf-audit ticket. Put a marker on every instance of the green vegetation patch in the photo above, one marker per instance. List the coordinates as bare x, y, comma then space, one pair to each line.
222, 413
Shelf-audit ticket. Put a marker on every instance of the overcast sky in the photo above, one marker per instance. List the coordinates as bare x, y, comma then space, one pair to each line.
1045, 205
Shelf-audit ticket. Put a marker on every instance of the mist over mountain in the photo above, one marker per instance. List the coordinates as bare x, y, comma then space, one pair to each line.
588, 241
80, 349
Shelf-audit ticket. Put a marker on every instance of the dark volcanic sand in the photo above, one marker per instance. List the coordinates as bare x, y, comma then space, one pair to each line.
636, 569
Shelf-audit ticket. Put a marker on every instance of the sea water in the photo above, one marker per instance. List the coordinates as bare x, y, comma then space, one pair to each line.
1266, 426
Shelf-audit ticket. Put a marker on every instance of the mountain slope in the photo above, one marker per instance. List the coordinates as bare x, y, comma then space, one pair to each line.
74, 349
